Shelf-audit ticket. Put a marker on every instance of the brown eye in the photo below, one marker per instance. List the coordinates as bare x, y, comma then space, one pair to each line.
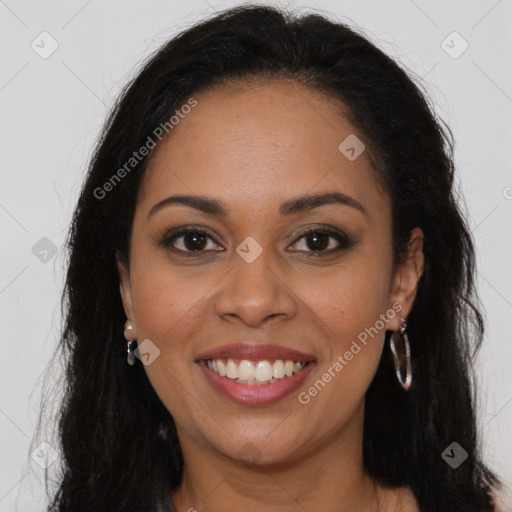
188, 240
324, 240
194, 241
317, 241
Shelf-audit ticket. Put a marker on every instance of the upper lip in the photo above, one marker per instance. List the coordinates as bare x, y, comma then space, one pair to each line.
251, 351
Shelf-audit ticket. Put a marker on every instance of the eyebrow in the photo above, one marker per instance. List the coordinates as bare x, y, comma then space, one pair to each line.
293, 206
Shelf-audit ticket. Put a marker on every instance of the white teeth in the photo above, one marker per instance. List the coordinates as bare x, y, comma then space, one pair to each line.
246, 370
278, 372
263, 372
231, 370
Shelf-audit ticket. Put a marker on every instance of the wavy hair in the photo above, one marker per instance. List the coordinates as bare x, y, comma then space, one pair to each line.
119, 447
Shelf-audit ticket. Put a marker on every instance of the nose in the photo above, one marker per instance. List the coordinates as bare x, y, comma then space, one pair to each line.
256, 293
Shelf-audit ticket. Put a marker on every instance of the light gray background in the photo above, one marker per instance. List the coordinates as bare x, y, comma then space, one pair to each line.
51, 113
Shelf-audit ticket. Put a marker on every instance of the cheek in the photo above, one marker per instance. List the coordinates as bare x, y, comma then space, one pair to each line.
350, 309
172, 307
169, 304
169, 308
351, 318
352, 298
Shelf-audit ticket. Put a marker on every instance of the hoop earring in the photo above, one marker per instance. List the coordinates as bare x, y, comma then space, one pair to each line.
405, 355
130, 358
130, 354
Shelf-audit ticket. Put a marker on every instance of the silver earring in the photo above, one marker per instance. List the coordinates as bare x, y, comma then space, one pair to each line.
405, 355
130, 354
130, 358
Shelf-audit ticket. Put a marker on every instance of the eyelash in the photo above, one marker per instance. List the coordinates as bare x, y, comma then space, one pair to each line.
345, 242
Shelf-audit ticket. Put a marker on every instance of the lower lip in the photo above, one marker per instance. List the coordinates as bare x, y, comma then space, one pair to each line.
255, 394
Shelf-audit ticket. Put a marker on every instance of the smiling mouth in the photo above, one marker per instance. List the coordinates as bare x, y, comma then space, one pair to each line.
262, 372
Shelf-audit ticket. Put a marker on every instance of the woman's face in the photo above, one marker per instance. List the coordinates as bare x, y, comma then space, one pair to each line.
256, 278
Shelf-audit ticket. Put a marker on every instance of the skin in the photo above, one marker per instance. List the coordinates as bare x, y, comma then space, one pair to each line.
253, 148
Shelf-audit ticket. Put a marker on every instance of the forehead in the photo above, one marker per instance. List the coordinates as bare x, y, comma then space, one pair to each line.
251, 144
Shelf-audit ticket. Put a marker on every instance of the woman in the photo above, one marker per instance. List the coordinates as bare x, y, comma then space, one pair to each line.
270, 300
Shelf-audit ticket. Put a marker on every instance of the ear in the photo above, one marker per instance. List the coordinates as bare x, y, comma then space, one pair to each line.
405, 281
125, 287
